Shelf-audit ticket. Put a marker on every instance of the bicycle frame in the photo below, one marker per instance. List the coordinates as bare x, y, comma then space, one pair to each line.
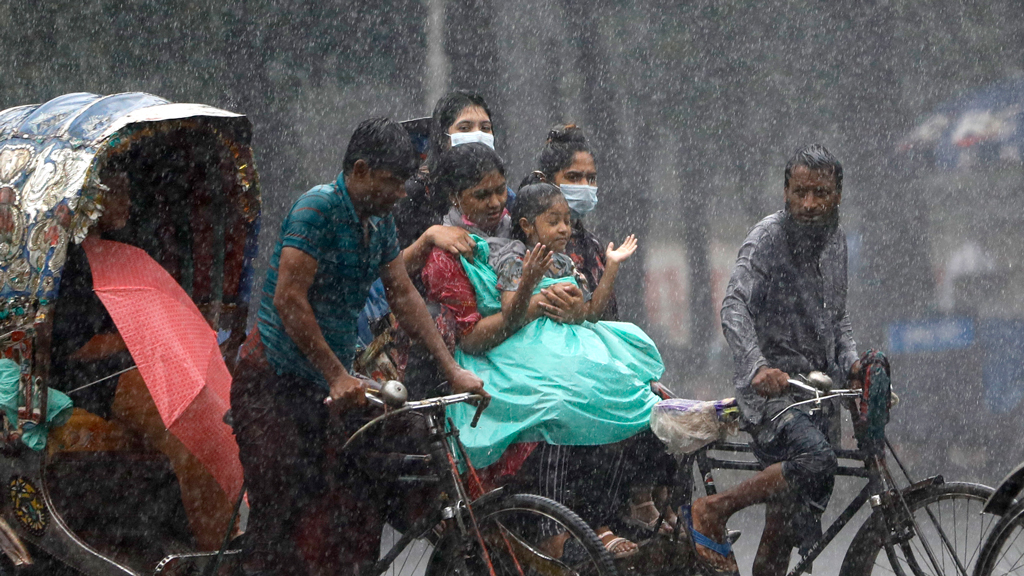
441, 459
878, 489
454, 498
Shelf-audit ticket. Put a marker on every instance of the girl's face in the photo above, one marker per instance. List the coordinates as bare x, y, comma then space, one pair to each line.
471, 119
552, 228
583, 170
484, 203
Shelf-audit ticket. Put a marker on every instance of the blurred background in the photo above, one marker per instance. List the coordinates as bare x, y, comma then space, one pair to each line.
694, 108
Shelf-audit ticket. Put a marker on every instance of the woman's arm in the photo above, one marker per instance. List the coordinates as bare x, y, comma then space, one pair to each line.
603, 292
448, 238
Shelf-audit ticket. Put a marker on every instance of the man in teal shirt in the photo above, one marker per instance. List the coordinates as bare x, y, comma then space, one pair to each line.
336, 240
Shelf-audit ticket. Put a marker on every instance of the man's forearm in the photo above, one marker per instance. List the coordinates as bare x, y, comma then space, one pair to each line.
846, 346
738, 328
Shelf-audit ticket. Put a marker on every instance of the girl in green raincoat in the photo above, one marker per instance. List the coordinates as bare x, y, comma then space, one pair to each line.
573, 381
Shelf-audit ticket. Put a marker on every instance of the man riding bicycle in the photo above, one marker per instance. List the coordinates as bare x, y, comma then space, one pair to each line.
785, 313
334, 242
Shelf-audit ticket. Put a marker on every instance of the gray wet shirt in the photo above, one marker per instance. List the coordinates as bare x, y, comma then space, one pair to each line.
785, 311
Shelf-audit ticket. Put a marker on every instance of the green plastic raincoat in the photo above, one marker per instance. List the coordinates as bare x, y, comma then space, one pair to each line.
564, 384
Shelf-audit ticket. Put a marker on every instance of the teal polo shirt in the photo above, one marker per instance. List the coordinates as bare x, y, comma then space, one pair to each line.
323, 223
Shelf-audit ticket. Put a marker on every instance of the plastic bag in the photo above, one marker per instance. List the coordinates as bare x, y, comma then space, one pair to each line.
686, 426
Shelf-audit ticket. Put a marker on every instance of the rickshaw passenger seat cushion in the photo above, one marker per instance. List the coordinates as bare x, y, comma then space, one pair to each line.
87, 432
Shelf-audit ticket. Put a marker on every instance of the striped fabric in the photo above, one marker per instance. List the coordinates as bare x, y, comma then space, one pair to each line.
323, 223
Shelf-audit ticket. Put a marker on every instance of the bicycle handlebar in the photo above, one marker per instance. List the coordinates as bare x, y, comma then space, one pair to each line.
823, 391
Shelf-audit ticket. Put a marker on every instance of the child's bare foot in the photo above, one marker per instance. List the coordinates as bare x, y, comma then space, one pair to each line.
707, 523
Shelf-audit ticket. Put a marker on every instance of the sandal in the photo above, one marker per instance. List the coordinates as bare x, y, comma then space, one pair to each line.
617, 546
660, 522
697, 539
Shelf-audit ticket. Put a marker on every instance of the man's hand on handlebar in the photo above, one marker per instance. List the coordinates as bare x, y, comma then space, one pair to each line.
463, 380
770, 382
347, 392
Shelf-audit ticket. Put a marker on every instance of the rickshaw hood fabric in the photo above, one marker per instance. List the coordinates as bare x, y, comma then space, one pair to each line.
47, 181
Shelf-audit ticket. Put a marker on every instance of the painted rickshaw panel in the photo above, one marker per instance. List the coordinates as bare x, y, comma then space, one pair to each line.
50, 156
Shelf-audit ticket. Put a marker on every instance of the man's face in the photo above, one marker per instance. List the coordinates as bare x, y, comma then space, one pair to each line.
377, 190
811, 194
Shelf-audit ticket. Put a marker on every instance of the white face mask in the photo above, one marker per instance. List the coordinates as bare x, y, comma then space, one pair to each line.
467, 137
582, 198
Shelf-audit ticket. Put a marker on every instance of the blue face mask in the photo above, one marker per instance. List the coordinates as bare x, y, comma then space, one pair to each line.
582, 198
467, 137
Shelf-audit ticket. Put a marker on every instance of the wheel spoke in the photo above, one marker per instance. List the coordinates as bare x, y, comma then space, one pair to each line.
948, 532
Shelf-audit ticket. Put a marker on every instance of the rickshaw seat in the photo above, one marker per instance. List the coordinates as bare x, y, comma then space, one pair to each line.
87, 432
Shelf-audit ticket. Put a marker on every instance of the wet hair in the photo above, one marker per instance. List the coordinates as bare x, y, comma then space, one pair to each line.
560, 148
533, 200
384, 145
816, 157
535, 177
446, 111
463, 167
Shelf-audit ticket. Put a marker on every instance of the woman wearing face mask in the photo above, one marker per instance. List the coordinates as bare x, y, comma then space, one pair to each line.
568, 162
460, 117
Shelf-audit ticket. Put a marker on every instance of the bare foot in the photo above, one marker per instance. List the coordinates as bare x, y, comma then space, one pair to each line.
707, 523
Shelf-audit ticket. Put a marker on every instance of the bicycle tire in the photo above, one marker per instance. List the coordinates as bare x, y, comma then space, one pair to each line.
1007, 535
511, 527
956, 506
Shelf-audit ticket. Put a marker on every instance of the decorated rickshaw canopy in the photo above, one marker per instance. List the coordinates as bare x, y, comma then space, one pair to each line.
51, 156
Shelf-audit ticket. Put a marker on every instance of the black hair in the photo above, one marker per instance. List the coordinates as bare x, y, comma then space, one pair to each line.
535, 177
446, 111
560, 148
531, 201
384, 145
462, 167
816, 157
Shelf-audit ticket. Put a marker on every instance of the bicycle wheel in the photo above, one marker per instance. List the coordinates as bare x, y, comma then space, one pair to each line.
952, 529
1003, 551
517, 530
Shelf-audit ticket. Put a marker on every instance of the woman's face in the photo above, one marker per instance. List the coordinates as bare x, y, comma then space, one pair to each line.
484, 203
583, 170
472, 119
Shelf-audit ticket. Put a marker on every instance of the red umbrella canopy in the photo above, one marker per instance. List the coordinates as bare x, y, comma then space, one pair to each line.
175, 350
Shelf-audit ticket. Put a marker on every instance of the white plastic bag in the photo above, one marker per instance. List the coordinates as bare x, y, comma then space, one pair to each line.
686, 426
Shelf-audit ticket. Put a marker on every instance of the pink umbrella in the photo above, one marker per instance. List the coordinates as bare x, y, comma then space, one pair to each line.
175, 350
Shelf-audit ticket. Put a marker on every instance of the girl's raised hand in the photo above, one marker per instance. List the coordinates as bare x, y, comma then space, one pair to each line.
535, 263
622, 253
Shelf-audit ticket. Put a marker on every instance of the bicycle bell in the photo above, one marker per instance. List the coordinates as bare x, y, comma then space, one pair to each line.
820, 380
394, 394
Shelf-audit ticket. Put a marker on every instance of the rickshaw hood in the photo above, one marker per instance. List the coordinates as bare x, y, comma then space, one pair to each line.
49, 158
